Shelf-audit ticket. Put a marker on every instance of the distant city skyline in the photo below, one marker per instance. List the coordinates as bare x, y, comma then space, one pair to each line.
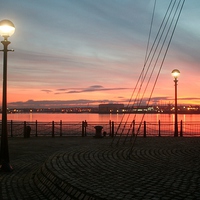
113, 109
79, 53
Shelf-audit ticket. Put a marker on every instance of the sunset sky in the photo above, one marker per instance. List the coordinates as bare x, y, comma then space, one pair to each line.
87, 52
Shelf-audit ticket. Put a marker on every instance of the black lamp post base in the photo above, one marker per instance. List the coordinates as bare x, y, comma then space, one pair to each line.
6, 167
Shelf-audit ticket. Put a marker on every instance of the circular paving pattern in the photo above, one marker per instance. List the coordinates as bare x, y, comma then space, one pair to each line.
158, 168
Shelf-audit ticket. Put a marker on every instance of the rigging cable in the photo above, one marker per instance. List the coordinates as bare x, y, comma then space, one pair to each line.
141, 76
164, 53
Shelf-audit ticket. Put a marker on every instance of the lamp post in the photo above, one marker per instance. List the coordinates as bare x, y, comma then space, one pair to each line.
7, 28
175, 74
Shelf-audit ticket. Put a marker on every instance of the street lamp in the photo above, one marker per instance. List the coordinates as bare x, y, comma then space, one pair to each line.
175, 74
7, 28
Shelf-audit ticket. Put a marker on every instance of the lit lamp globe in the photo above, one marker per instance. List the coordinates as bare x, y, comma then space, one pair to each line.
175, 73
7, 28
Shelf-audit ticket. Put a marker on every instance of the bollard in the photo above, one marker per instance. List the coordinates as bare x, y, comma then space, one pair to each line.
27, 130
98, 131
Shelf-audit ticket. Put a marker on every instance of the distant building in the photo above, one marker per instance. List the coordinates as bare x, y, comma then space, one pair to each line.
111, 108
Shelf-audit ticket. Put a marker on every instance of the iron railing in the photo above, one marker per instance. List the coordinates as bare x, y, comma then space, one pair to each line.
61, 128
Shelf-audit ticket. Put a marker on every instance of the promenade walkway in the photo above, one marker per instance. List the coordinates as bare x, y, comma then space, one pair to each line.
89, 168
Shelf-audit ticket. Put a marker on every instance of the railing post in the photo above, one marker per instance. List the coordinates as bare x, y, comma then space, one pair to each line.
82, 128
24, 129
52, 128
110, 126
113, 128
133, 130
11, 128
36, 133
60, 128
145, 129
181, 129
159, 128
85, 128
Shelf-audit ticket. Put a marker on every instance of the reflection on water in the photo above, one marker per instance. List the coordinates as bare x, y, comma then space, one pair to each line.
95, 117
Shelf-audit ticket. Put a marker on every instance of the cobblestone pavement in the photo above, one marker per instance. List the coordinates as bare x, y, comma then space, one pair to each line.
89, 168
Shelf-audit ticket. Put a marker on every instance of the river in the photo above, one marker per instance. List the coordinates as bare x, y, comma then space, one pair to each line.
95, 117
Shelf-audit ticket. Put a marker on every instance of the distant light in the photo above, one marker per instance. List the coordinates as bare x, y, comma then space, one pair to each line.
7, 28
175, 73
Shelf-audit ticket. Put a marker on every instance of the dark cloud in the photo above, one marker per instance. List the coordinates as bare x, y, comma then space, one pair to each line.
57, 103
93, 88
47, 91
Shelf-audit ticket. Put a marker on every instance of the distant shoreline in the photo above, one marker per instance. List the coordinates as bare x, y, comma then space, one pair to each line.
103, 113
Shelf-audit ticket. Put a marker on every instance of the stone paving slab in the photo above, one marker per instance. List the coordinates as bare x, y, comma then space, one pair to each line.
89, 168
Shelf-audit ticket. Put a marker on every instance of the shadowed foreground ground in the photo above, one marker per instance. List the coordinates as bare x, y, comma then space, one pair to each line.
89, 168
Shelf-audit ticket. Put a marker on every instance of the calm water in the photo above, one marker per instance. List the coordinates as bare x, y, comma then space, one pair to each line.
94, 117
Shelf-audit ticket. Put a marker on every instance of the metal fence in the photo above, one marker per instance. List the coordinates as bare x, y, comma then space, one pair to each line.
144, 129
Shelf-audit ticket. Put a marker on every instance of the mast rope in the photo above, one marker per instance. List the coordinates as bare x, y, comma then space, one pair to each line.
148, 70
